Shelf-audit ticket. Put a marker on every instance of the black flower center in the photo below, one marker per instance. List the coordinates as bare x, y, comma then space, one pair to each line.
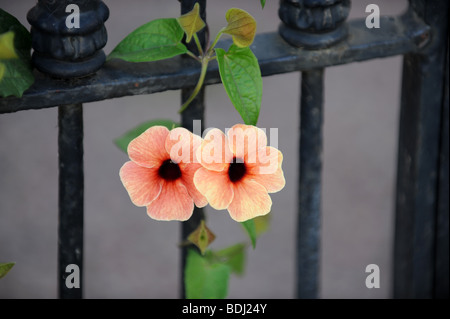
169, 170
236, 171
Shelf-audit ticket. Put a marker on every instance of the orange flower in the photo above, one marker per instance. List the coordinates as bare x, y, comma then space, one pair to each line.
239, 170
161, 171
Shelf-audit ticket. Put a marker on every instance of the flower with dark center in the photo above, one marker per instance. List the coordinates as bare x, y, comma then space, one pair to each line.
239, 171
161, 179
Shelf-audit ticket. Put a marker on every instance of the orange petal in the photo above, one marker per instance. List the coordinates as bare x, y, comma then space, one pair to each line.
148, 149
245, 141
187, 176
272, 182
250, 200
174, 203
214, 152
142, 184
269, 160
181, 144
215, 186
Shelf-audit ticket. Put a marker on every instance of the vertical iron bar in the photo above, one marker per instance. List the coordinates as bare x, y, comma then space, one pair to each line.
310, 188
418, 157
195, 111
441, 276
71, 190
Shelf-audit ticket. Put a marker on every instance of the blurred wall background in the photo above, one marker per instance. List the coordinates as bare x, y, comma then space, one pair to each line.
128, 255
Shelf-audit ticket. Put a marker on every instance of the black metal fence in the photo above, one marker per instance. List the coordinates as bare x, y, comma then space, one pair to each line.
313, 35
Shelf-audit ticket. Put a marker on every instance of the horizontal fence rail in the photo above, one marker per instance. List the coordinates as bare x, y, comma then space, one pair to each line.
399, 35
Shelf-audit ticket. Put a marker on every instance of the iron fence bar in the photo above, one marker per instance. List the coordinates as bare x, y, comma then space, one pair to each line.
68, 53
310, 186
71, 196
195, 111
116, 78
312, 25
441, 276
418, 157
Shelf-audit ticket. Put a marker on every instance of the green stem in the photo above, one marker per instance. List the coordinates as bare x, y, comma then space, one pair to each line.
193, 56
199, 46
211, 48
197, 87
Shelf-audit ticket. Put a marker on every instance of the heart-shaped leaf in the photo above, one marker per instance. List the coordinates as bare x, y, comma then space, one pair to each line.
191, 22
204, 278
241, 25
233, 256
241, 77
15, 68
22, 38
157, 40
202, 237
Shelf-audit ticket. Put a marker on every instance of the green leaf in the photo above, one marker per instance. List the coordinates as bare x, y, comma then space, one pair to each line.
234, 257
191, 22
205, 279
255, 227
15, 68
157, 40
202, 237
16, 78
262, 224
5, 268
22, 39
2, 70
241, 77
242, 26
123, 141
7, 50
263, 3
250, 228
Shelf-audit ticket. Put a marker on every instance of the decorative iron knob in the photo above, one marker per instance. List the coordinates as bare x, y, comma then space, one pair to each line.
313, 24
62, 49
